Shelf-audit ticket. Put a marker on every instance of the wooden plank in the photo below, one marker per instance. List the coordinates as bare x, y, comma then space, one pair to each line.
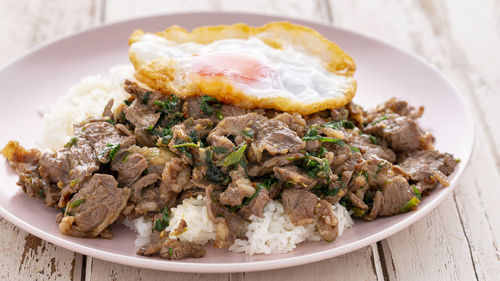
362, 264
102, 270
455, 43
27, 257
353, 266
24, 25
120, 10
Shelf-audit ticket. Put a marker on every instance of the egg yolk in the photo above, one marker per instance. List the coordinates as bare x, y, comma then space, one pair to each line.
242, 67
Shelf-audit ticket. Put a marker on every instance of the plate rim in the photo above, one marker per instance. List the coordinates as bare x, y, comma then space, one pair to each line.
249, 266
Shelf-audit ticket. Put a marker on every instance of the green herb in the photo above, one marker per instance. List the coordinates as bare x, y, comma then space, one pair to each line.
219, 115
127, 102
214, 174
343, 201
162, 223
365, 174
410, 205
357, 212
73, 183
208, 156
110, 148
41, 193
354, 149
124, 159
417, 192
379, 168
313, 166
170, 252
235, 156
145, 172
312, 134
457, 160
219, 149
165, 134
373, 139
158, 226
186, 144
331, 192
185, 150
337, 125
76, 203
379, 120
111, 121
204, 104
248, 132
145, 98
168, 110
71, 142
165, 216
321, 152
169, 105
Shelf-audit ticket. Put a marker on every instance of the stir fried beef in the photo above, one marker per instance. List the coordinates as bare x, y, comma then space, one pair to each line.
171, 249
396, 106
176, 176
292, 175
428, 168
156, 150
303, 207
256, 205
97, 205
299, 205
129, 167
239, 188
402, 133
396, 192
266, 166
26, 164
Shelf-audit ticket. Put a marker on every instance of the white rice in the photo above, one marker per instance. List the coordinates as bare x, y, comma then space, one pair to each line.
343, 216
142, 228
200, 228
85, 99
274, 233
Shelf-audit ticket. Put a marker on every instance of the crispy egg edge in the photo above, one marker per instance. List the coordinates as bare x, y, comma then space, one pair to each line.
158, 74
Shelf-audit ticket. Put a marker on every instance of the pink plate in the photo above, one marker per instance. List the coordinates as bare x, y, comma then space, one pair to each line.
46, 73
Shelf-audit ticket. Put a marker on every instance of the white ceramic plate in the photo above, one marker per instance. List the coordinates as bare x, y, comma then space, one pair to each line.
46, 73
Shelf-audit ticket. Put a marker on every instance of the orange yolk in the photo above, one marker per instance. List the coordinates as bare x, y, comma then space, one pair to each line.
242, 67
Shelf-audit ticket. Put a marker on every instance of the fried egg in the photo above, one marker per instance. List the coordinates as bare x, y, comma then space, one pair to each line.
279, 65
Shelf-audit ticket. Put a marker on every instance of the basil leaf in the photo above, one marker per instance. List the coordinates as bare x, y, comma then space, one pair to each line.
234, 157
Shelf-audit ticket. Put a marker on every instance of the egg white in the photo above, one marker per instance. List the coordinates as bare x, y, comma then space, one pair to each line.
295, 75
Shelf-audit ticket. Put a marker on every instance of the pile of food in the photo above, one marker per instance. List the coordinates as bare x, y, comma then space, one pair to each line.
244, 137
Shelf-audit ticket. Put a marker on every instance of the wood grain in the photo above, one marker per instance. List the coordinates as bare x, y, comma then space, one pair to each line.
460, 239
27, 257
119, 10
24, 25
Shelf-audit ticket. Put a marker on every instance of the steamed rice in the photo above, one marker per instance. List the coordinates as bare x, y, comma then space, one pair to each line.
200, 228
85, 99
271, 234
274, 233
142, 228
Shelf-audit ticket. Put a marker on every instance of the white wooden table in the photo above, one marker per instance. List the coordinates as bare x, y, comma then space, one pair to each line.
460, 240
